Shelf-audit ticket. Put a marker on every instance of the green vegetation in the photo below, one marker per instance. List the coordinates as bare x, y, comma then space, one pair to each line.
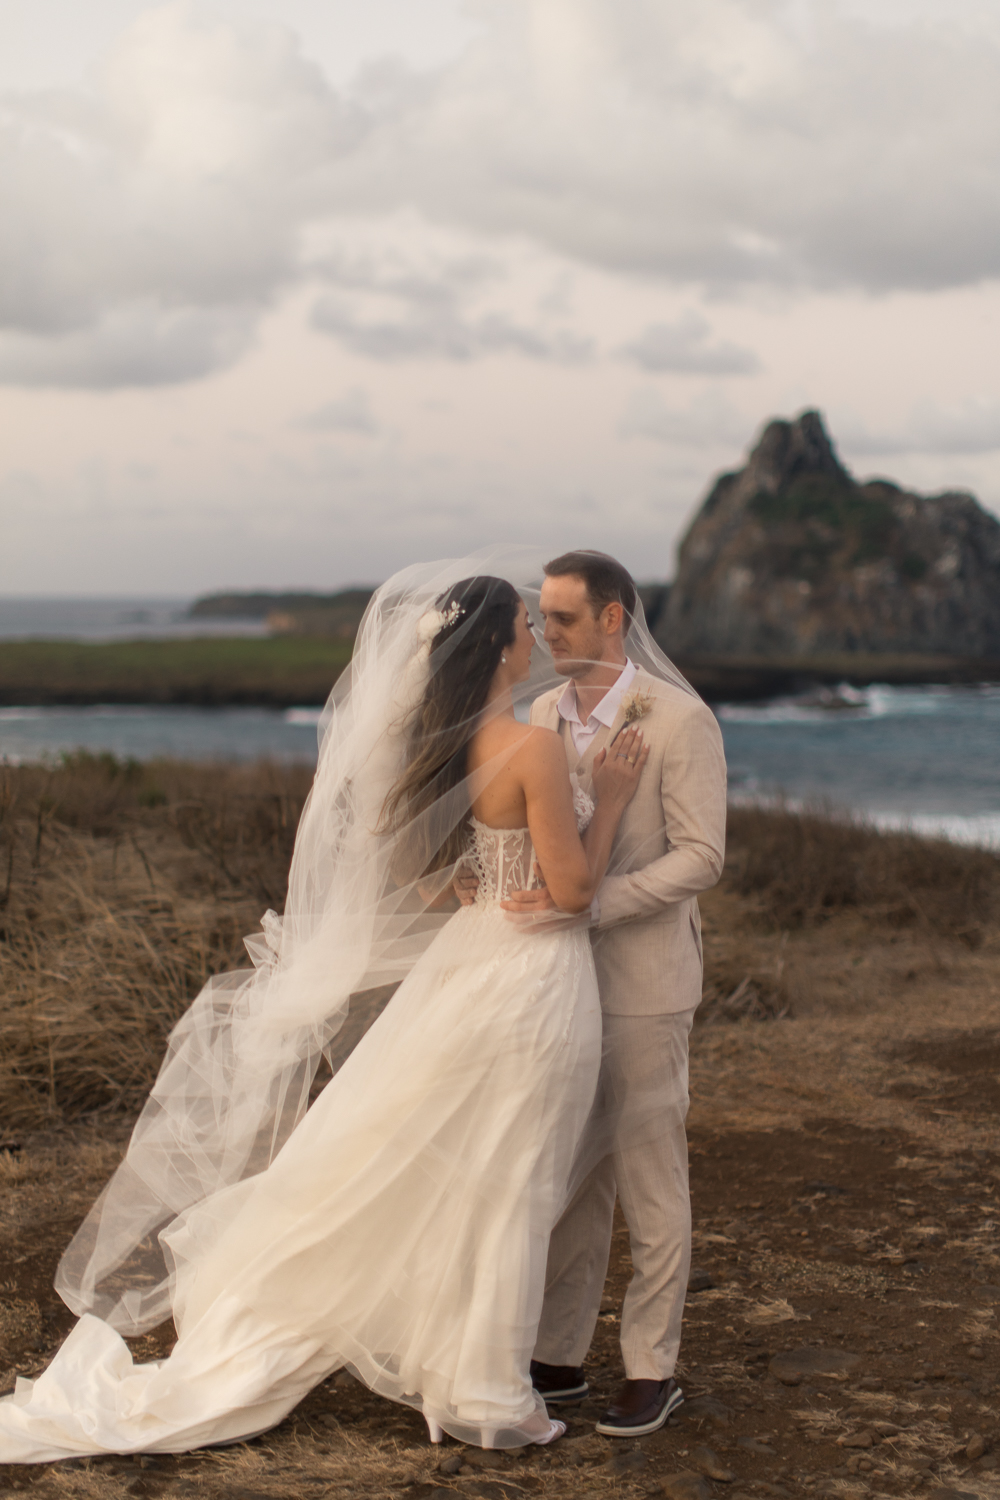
836, 518
914, 566
276, 671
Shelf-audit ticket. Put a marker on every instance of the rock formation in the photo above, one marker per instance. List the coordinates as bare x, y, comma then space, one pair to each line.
791, 557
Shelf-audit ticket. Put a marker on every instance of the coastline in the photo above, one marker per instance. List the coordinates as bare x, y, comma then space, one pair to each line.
290, 671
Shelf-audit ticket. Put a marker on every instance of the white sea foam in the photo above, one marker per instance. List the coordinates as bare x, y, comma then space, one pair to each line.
982, 829
833, 705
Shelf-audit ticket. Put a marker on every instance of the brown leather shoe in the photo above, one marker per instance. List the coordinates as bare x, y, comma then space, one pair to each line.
641, 1406
559, 1385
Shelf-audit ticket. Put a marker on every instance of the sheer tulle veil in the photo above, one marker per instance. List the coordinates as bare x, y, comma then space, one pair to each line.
239, 1064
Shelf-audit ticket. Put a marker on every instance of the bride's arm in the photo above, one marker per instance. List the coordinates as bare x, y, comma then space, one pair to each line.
573, 867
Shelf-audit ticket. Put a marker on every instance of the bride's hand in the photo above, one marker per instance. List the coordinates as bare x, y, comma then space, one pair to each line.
616, 776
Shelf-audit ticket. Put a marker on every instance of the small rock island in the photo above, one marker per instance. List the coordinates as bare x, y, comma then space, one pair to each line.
791, 561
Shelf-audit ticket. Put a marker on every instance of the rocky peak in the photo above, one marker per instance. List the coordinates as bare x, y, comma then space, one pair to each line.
788, 451
790, 556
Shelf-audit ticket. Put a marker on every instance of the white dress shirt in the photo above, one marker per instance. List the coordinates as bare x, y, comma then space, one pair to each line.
582, 733
569, 709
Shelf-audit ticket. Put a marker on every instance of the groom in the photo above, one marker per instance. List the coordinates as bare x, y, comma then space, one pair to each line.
647, 947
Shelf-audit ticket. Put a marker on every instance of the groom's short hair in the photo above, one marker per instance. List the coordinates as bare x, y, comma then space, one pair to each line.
605, 580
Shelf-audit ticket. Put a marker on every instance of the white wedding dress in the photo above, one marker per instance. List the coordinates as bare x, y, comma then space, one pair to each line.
401, 1231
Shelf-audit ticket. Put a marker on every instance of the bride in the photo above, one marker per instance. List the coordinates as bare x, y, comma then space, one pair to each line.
397, 1226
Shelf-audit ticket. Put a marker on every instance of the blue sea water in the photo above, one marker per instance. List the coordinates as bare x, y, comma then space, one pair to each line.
920, 757
145, 733
926, 758
28, 617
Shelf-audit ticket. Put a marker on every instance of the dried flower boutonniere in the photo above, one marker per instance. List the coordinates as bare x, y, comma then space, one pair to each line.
635, 706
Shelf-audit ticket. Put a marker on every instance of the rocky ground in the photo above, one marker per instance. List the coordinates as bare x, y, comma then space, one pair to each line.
841, 1334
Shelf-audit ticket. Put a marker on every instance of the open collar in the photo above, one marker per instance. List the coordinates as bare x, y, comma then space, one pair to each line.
606, 711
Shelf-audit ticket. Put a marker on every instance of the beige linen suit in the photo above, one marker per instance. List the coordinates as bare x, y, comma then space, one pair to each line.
647, 949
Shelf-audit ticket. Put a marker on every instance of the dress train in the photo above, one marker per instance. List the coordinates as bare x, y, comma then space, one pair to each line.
401, 1232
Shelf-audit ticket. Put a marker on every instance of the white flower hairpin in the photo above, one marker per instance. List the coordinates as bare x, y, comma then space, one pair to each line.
434, 621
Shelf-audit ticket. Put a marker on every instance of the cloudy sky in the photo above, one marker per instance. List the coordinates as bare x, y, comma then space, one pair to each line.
297, 291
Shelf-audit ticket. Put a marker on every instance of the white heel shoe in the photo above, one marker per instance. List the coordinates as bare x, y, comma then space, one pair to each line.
556, 1430
435, 1432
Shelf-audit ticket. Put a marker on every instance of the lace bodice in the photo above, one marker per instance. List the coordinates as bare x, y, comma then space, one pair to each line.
503, 858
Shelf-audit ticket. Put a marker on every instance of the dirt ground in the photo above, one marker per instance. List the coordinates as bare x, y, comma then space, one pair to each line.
841, 1331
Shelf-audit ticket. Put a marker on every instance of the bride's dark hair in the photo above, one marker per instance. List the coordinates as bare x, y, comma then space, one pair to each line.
478, 623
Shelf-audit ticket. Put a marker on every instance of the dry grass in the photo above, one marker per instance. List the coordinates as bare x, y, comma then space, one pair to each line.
123, 887
844, 1158
799, 868
794, 876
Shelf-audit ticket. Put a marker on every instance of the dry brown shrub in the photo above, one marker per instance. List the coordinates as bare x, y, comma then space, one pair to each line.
799, 868
122, 889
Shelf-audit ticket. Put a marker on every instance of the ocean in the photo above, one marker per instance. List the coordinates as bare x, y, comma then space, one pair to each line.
923, 758
117, 619
927, 758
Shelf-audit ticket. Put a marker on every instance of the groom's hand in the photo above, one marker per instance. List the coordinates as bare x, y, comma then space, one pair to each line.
529, 903
536, 908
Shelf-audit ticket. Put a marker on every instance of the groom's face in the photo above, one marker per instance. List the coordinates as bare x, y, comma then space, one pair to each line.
575, 636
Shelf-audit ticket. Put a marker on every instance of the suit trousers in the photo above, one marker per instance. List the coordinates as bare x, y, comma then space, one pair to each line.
636, 1147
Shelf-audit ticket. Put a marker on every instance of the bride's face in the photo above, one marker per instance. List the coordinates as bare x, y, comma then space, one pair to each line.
519, 652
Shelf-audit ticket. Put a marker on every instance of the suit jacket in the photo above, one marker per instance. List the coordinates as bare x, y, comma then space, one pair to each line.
669, 846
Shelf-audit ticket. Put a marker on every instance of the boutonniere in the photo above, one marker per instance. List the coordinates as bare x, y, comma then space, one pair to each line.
635, 706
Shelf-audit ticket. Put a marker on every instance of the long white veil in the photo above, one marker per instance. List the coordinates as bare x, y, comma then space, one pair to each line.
239, 1065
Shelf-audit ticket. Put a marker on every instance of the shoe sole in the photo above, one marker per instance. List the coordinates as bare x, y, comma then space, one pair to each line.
641, 1429
569, 1397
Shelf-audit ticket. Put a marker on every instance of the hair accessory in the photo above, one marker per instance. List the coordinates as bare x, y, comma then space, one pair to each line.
435, 620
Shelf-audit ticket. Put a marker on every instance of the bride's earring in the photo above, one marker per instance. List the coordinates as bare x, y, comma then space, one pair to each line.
503, 658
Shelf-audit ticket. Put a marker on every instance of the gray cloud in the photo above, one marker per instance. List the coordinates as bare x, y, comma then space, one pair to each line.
149, 221
443, 332
394, 306
351, 412
133, 345
683, 348
716, 142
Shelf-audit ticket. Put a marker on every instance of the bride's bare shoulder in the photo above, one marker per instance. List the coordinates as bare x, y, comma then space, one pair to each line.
539, 749
521, 741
